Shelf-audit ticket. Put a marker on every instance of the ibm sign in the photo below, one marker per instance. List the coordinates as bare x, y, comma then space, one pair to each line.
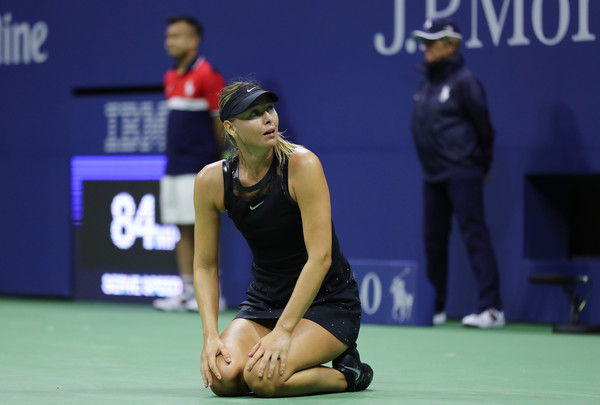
135, 127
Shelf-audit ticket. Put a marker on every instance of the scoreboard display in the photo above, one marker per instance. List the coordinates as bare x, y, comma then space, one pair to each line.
120, 228
121, 250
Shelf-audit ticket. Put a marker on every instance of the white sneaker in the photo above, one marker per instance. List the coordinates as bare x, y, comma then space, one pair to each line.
183, 302
439, 318
490, 318
191, 304
177, 303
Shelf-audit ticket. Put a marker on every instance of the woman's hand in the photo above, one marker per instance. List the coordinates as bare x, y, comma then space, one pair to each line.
213, 347
267, 351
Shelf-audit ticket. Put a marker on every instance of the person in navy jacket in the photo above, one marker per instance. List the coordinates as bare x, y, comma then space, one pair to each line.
454, 140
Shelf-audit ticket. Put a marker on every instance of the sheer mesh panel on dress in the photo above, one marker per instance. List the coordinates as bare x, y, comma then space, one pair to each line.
260, 189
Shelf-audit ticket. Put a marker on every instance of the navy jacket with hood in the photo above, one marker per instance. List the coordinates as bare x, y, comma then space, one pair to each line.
451, 124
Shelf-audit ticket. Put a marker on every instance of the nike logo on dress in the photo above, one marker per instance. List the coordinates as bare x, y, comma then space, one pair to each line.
253, 207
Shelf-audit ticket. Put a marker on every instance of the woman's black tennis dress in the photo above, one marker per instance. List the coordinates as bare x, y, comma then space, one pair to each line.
271, 223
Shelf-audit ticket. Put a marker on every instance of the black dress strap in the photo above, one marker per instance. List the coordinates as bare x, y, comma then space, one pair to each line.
229, 165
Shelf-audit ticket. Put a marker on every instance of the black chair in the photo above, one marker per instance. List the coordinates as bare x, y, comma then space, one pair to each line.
576, 306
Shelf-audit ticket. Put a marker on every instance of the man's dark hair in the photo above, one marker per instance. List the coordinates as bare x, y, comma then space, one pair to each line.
196, 26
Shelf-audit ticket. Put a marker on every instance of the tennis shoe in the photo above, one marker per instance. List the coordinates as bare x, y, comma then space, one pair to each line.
177, 303
358, 375
186, 301
490, 318
192, 305
183, 302
439, 318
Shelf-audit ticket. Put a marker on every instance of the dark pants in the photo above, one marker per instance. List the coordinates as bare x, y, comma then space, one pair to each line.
464, 198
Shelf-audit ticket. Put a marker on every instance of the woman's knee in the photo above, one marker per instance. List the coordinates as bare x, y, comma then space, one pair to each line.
232, 380
263, 386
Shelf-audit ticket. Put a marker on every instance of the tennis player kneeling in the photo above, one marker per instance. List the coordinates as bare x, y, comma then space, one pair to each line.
302, 308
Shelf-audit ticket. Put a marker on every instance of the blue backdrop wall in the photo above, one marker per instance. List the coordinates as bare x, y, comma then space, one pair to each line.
345, 72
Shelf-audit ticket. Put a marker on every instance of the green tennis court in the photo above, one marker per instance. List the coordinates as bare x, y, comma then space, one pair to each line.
65, 352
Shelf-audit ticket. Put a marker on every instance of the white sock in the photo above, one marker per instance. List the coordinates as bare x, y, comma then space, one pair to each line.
188, 283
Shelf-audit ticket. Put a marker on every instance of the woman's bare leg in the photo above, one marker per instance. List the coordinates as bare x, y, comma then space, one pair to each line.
239, 337
311, 346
